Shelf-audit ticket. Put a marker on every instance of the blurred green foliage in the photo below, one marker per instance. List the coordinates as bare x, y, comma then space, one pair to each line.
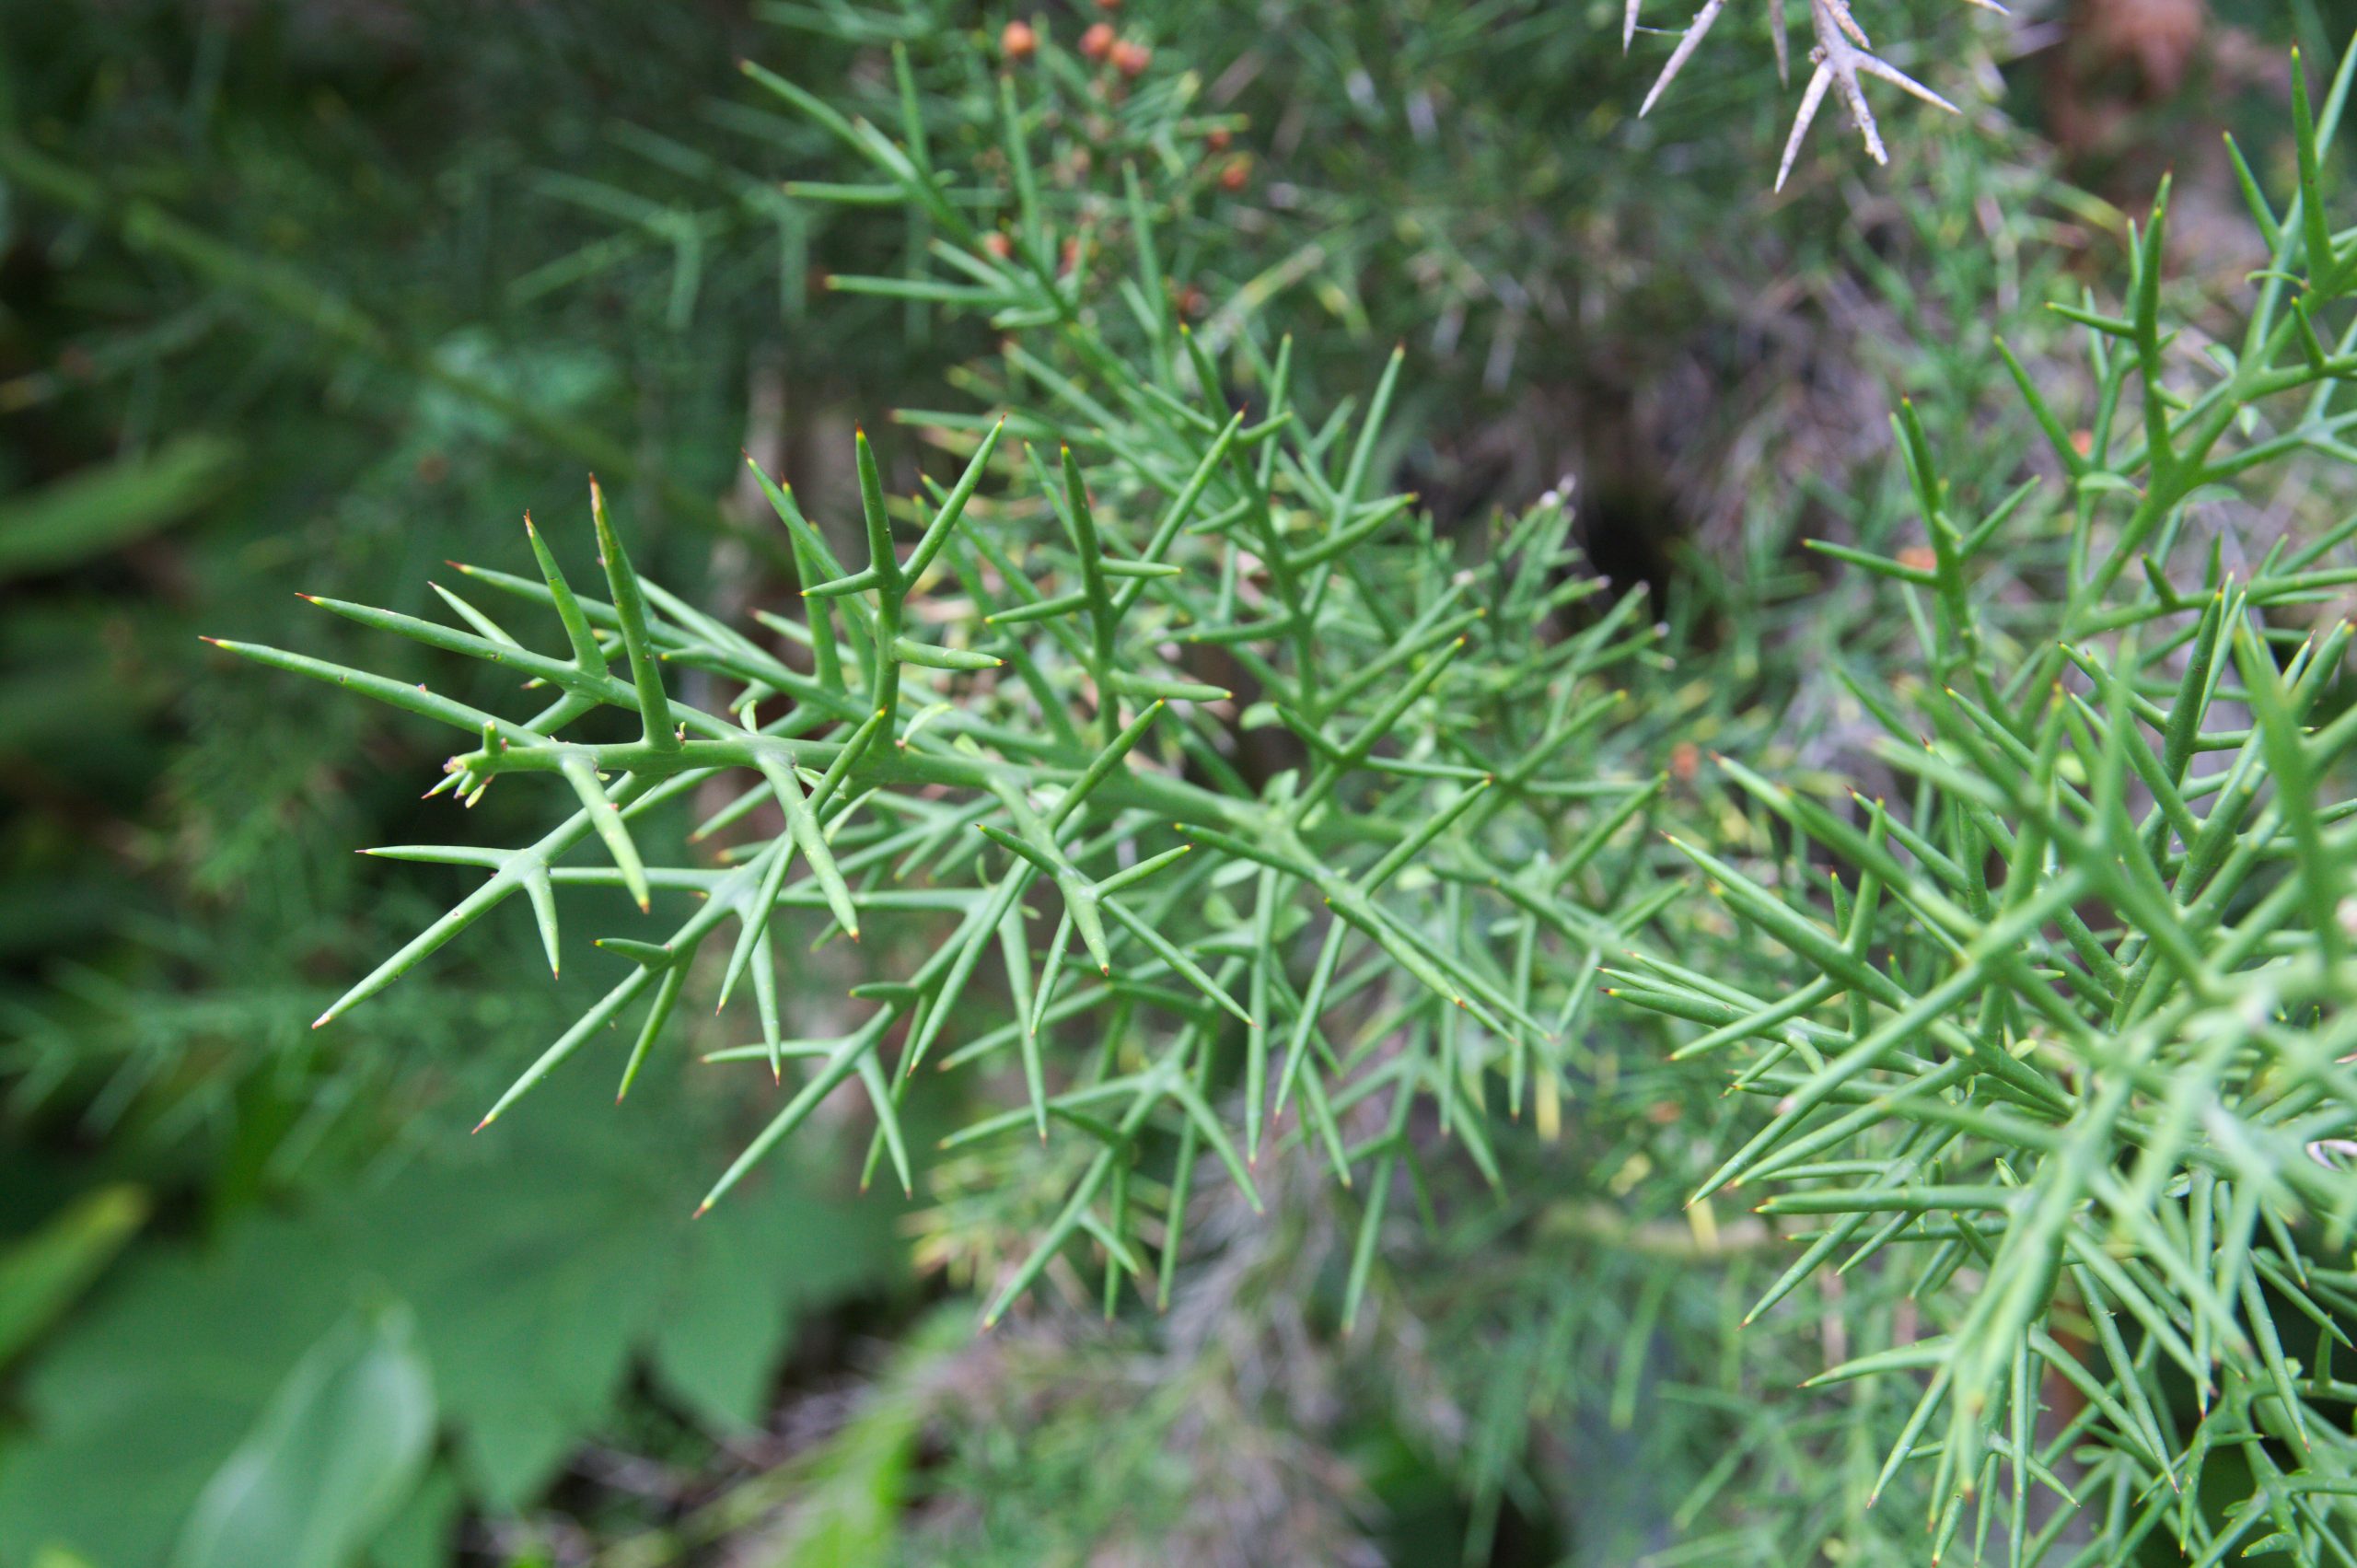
535, 1271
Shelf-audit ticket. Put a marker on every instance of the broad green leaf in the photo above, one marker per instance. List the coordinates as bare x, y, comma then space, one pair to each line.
336, 1451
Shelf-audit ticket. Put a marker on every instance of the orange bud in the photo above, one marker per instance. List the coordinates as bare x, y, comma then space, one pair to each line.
1237, 174
998, 245
1918, 556
1132, 59
1019, 43
1217, 138
1097, 42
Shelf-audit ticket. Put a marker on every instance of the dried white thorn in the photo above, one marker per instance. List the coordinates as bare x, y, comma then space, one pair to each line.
1838, 11
1861, 114
1811, 98
1843, 53
1687, 44
1874, 67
